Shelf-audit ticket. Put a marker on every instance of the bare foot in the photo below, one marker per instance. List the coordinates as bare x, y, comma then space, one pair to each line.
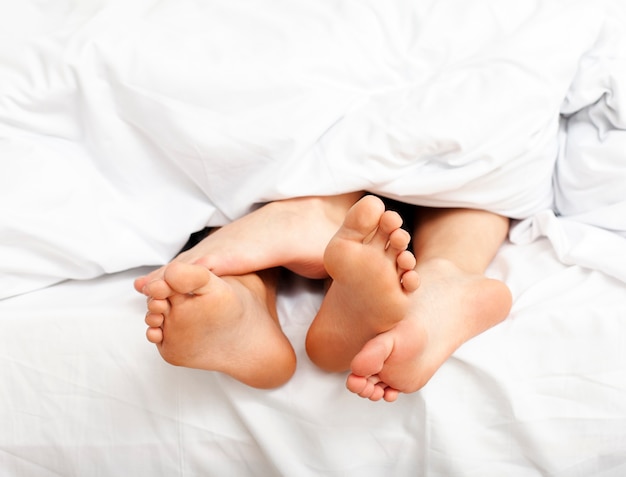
449, 308
291, 233
199, 320
373, 278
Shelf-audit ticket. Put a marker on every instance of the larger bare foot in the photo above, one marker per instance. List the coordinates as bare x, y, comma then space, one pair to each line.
449, 308
291, 233
373, 277
199, 320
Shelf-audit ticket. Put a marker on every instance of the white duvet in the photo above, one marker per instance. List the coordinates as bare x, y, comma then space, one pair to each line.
125, 126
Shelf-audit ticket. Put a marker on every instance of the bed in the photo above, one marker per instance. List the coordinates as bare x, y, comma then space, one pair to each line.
127, 126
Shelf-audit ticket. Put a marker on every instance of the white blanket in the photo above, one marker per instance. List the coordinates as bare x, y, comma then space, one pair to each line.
126, 126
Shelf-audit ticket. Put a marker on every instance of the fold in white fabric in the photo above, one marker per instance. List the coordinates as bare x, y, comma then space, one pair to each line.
125, 127
588, 224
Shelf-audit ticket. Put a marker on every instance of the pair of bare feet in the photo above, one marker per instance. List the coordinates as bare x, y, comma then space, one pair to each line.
389, 320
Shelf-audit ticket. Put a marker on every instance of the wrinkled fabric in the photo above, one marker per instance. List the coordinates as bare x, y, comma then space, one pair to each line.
124, 128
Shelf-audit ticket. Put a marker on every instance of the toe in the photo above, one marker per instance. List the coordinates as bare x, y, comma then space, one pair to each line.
154, 335
362, 219
390, 220
158, 289
356, 384
373, 390
399, 239
391, 394
371, 359
158, 306
405, 261
389, 235
154, 320
410, 281
378, 393
141, 282
187, 278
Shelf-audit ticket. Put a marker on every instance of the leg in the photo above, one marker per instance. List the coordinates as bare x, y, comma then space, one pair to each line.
228, 324
367, 259
454, 303
291, 233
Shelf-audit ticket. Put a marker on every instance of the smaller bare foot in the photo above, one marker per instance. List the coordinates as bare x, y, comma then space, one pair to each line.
199, 320
449, 308
290, 233
373, 278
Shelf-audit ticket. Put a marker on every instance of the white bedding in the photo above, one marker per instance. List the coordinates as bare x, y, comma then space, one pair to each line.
544, 393
114, 118
126, 126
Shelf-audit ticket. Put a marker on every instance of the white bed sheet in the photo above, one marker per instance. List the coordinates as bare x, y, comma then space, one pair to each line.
543, 393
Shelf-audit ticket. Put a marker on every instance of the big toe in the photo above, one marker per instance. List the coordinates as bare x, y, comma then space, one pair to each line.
187, 278
362, 219
371, 359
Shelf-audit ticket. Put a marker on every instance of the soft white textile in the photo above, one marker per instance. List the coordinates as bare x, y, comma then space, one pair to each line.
126, 126
590, 173
543, 393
